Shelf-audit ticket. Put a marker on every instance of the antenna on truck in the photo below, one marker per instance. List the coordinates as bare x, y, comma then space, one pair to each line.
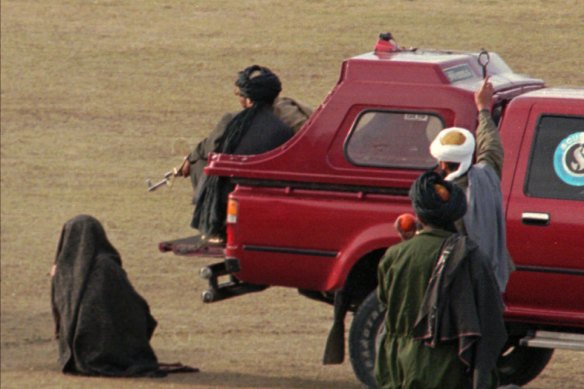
483, 60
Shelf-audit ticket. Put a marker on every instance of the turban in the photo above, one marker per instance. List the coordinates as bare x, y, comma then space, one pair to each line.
436, 201
454, 145
259, 84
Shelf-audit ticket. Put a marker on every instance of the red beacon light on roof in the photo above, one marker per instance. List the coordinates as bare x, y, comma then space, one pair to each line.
386, 44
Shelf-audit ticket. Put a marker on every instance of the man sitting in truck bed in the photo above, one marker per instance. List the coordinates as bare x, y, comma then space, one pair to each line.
292, 112
484, 222
254, 130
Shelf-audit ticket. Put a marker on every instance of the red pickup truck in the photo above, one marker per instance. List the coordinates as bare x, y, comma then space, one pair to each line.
317, 213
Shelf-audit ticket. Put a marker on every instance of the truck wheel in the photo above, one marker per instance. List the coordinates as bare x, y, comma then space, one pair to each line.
519, 364
363, 338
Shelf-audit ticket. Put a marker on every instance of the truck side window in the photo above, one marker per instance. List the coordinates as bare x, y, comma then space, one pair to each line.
556, 165
497, 112
393, 139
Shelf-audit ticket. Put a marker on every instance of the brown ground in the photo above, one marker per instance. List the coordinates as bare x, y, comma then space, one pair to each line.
98, 95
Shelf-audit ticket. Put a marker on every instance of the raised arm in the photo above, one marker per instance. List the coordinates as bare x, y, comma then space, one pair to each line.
488, 141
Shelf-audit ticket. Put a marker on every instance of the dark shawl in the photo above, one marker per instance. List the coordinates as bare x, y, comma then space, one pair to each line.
103, 325
264, 133
291, 112
462, 302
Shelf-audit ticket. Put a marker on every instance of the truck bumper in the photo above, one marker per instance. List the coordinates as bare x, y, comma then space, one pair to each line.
221, 291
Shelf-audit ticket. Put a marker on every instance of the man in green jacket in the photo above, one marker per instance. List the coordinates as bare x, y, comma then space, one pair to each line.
444, 320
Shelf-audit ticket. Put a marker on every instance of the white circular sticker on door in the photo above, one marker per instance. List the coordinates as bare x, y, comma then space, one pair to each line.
569, 159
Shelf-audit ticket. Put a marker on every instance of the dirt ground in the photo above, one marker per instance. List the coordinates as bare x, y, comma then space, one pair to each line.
97, 96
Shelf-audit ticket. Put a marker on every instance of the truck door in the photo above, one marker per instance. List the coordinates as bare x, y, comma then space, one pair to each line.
545, 221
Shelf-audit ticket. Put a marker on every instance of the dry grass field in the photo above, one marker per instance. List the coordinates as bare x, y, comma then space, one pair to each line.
98, 95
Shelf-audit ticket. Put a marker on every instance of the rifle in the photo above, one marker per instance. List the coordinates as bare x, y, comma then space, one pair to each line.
168, 177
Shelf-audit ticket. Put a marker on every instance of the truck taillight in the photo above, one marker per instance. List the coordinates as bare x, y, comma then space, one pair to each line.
231, 225
232, 208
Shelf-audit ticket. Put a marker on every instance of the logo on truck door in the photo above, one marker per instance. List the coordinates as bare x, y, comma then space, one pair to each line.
569, 159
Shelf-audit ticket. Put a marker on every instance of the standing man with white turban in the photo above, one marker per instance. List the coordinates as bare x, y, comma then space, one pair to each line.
484, 222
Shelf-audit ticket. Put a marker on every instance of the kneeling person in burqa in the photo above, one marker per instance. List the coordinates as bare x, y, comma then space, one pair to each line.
102, 324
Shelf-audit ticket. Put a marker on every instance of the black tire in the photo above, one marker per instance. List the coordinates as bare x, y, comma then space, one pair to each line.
363, 335
518, 364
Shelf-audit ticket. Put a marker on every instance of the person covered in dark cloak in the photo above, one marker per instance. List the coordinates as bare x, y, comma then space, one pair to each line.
103, 326
254, 130
444, 320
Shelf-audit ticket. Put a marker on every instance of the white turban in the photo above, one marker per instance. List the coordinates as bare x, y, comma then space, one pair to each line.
458, 153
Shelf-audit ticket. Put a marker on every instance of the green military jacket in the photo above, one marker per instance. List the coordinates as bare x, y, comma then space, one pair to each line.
402, 361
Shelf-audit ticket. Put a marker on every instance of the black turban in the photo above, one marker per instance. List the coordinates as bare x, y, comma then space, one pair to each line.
259, 84
437, 202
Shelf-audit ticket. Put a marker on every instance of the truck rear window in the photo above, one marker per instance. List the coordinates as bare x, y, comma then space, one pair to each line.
556, 167
393, 139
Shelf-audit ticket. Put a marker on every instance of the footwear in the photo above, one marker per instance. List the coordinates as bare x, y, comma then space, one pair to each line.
214, 240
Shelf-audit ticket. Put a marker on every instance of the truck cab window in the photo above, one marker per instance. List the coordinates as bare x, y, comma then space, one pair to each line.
393, 139
556, 166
